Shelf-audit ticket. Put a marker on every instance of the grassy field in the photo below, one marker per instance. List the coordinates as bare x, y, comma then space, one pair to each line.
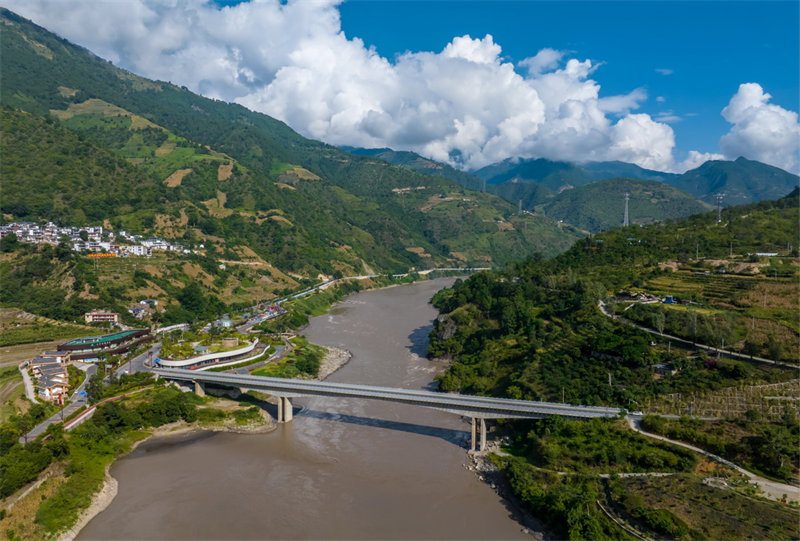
19, 327
11, 392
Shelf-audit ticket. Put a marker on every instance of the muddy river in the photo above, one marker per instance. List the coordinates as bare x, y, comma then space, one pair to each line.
342, 469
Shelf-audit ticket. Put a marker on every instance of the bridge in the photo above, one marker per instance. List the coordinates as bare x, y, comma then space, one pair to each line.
478, 408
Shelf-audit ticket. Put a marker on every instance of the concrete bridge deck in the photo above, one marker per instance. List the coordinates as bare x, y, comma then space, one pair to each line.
476, 407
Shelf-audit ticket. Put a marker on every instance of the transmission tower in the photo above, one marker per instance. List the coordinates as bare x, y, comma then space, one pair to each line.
720, 196
625, 218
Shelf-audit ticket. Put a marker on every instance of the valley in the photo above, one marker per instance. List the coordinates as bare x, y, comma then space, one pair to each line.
165, 228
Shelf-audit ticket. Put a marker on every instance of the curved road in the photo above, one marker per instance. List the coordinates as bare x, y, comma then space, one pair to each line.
773, 489
602, 306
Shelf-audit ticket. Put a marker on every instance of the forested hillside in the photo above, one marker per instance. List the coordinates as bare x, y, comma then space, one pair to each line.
600, 205
536, 331
304, 206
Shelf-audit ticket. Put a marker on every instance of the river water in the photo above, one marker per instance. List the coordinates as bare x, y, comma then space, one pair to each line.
342, 469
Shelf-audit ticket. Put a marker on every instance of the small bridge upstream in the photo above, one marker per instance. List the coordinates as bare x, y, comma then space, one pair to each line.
478, 408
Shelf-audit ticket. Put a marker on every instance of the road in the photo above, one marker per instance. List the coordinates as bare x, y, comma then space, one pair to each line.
733, 354
76, 401
773, 489
137, 363
277, 355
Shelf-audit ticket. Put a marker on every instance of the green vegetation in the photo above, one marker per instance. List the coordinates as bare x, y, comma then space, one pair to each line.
769, 448
244, 179
303, 360
595, 446
534, 331
600, 205
685, 507
314, 304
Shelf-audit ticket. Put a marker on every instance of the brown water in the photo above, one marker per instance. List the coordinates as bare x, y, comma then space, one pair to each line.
343, 469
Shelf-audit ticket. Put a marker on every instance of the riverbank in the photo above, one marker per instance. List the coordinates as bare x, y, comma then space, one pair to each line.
334, 359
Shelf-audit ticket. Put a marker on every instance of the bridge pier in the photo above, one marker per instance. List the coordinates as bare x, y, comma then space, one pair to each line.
474, 439
199, 388
284, 409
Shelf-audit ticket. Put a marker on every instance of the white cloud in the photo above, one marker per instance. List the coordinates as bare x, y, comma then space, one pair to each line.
761, 131
695, 159
668, 117
545, 60
665, 71
464, 104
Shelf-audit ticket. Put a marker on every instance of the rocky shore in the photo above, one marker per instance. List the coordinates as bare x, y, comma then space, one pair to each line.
334, 359
480, 464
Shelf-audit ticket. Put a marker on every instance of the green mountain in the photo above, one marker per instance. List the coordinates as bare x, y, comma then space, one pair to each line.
558, 176
415, 162
594, 205
740, 181
600, 205
229, 177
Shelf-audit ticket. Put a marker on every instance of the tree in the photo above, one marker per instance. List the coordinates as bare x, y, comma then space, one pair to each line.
9, 243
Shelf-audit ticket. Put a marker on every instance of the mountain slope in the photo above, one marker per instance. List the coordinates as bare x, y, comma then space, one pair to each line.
741, 181
558, 176
305, 206
419, 164
600, 205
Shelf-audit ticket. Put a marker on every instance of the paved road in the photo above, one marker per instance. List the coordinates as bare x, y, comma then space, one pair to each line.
137, 363
602, 306
76, 401
474, 406
277, 355
772, 489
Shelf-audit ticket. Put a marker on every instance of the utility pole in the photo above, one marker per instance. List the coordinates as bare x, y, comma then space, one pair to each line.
625, 218
719, 206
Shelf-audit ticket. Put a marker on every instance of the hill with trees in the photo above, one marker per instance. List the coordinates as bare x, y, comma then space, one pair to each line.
740, 181
161, 160
534, 331
600, 205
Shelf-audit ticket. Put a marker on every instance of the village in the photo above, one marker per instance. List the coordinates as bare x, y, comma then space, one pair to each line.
96, 240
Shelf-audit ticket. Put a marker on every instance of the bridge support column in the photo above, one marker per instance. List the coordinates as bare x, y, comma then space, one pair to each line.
472, 439
199, 388
284, 409
287, 409
474, 444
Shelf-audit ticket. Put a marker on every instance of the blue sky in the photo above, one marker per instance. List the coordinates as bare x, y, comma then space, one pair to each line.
710, 47
665, 85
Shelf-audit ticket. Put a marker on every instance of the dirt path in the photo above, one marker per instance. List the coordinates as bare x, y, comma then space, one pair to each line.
771, 489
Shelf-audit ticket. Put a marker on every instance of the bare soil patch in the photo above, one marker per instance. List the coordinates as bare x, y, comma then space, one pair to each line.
165, 148
225, 171
175, 179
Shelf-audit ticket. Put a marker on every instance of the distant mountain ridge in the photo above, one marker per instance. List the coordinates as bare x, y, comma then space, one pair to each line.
539, 183
600, 205
739, 182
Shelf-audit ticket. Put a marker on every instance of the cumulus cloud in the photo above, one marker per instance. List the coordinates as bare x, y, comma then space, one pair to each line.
761, 131
465, 104
695, 159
